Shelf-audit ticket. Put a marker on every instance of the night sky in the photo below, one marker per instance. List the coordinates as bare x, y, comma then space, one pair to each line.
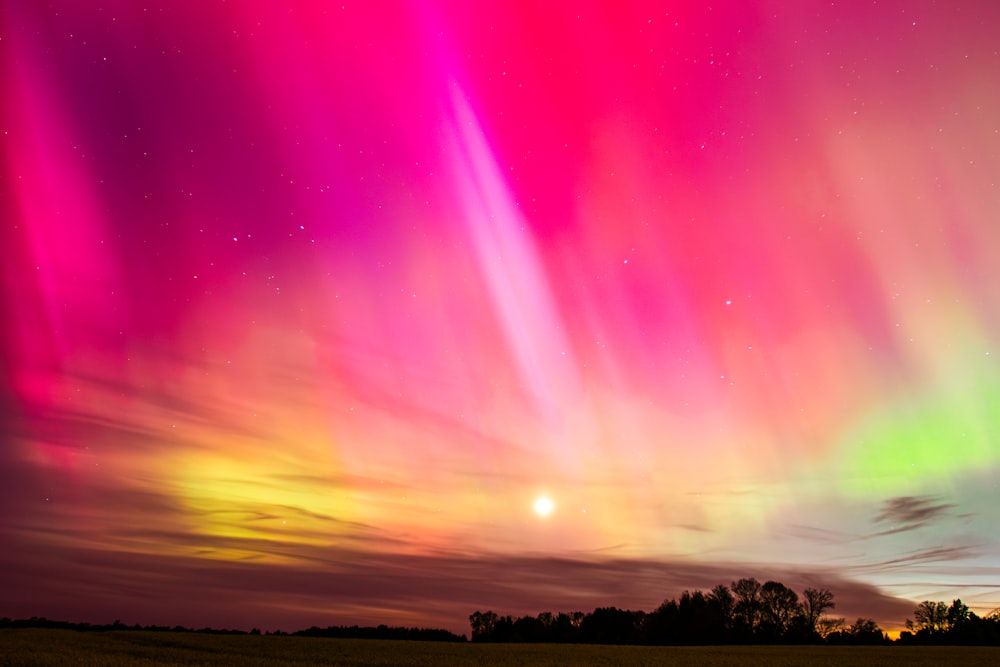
305, 305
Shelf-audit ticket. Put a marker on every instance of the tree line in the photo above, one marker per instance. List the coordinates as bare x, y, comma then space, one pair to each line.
746, 612
939, 623
342, 631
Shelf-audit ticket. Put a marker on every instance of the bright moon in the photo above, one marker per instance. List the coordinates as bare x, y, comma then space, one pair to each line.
543, 506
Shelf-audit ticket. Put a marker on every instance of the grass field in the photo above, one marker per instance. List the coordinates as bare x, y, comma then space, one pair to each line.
37, 647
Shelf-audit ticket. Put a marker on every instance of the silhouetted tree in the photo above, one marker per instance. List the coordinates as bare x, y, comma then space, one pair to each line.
566, 627
827, 626
779, 605
958, 614
483, 625
721, 600
658, 627
746, 607
864, 631
503, 630
695, 619
930, 616
815, 601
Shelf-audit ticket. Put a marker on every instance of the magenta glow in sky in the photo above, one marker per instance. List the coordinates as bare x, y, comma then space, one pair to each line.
306, 306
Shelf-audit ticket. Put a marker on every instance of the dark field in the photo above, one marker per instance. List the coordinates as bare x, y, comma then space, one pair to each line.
67, 647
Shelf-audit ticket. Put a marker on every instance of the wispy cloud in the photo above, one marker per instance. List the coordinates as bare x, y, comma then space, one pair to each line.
935, 555
905, 513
